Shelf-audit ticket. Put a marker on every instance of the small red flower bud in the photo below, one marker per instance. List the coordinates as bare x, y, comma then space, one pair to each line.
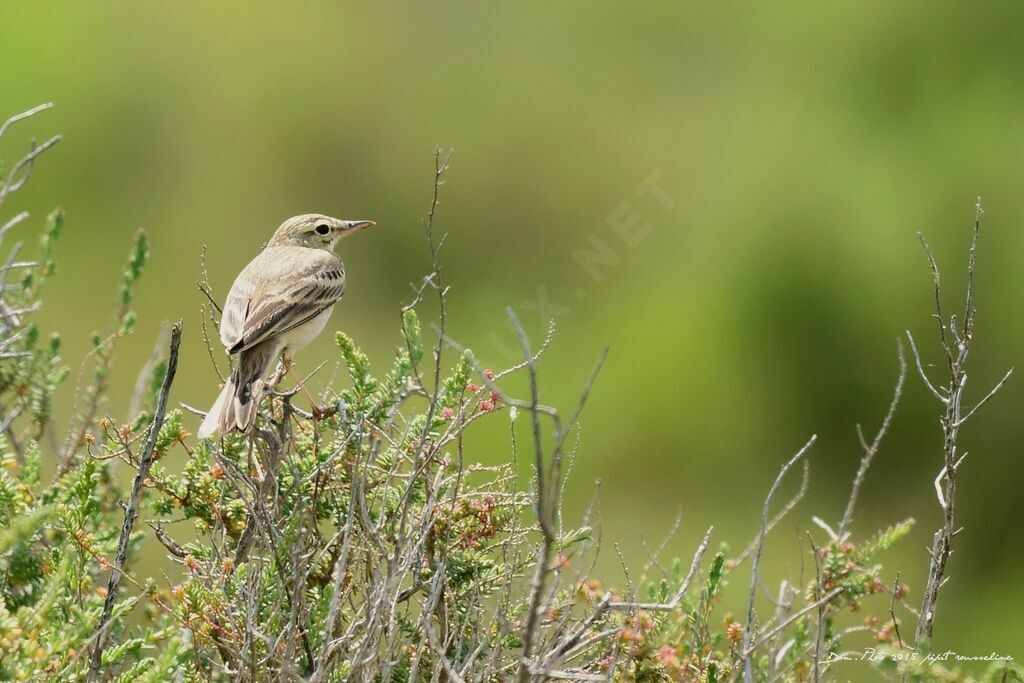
486, 406
447, 413
472, 388
489, 374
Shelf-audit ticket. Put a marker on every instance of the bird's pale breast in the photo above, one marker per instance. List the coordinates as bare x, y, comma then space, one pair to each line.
299, 337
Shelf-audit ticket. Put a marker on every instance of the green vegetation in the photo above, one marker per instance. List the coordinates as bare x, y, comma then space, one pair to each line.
368, 544
801, 147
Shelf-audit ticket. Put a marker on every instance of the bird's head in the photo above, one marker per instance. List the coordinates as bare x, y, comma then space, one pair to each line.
315, 231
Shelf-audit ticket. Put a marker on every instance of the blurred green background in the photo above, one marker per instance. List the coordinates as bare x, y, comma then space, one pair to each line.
798, 147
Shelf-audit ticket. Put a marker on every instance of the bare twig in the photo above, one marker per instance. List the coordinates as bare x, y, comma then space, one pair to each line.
145, 377
22, 170
920, 371
748, 671
870, 450
541, 568
547, 483
819, 630
953, 419
24, 115
988, 396
14, 308
131, 511
782, 626
892, 609
683, 587
805, 479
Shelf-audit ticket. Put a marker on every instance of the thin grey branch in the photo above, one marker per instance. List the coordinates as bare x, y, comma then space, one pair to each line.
771, 633
24, 115
920, 370
988, 396
132, 509
748, 671
870, 450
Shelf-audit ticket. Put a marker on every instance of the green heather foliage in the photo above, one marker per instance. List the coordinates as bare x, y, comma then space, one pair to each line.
379, 492
365, 544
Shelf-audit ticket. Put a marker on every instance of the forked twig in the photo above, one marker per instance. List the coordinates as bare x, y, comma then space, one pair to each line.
748, 671
870, 450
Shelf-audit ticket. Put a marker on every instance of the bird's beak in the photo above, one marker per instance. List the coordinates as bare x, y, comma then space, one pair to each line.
349, 227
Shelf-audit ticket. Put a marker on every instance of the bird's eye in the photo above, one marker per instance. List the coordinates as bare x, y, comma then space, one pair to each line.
322, 229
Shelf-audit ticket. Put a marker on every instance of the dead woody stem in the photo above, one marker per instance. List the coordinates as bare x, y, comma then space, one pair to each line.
955, 338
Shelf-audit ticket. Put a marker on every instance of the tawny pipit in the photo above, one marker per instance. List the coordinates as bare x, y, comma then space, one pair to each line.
279, 303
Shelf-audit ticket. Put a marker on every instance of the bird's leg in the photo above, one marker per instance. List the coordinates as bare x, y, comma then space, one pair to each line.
278, 375
290, 369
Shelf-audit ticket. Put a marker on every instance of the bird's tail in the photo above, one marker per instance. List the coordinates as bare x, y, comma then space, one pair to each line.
236, 406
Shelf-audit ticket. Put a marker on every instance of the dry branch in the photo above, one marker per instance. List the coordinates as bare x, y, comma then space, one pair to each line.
748, 672
953, 418
132, 508
870, 450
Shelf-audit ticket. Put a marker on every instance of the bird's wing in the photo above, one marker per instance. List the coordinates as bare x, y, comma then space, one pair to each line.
236, 308
279, 290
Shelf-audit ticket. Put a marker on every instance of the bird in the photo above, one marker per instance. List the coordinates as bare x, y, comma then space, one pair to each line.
279, 303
